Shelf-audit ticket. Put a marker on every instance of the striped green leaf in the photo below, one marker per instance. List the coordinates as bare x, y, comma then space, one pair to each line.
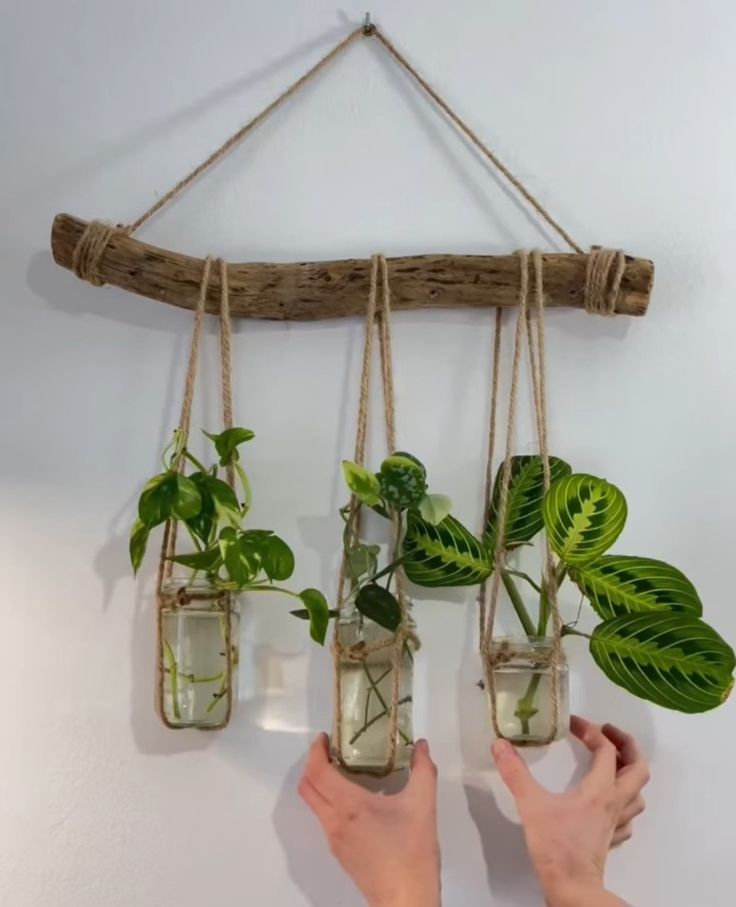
526, 493
443, 555
583, 516
618, 585
673, 660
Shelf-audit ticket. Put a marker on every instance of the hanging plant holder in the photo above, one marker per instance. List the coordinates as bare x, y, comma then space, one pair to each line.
651, 641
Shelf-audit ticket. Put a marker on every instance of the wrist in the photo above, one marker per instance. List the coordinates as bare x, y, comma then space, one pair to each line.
413, 896
580, 894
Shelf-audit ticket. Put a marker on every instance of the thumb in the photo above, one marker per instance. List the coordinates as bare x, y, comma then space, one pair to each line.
514, 771
423, 770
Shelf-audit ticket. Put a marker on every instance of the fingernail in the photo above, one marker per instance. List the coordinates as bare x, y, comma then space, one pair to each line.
502, 749
422, 745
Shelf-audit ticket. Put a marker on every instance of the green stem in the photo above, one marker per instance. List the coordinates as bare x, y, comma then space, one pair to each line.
517, 602
525, 706
384, 704
193, 460
378, 717
526, 577
247, 494
174, 675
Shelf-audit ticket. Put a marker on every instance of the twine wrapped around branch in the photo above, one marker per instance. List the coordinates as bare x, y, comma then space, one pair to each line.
530, 323
404, 636
165, 599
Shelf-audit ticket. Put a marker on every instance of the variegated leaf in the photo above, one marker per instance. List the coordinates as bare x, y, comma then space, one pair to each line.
524, 506
673, 660
618, 584
447, 554
583, 516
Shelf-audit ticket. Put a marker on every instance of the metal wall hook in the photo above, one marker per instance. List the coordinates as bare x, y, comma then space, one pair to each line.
368, 26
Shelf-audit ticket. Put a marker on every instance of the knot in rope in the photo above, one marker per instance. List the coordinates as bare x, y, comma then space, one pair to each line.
603, 277
91, 247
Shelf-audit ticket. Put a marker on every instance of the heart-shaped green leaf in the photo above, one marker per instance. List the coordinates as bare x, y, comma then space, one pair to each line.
319, 613
524, 504
673, 660
363, 484
618, 584
203, 523
583, 516
168, 496
241, 556
434, 508
228, 441
379, 605
206, 561
403, 481
277, 559
444, 555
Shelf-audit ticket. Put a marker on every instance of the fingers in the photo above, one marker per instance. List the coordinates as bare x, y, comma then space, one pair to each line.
514, 771
622, 834
633, 809
603, 767
423, 776
633, 771
319, 805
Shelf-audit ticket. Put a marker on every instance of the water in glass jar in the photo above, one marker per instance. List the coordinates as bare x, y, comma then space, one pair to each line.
524, 703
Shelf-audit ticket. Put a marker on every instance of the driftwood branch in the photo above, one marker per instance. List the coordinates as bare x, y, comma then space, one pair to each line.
334, 289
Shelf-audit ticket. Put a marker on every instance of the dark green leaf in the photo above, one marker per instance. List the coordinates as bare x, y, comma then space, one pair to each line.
444, 555
379, 605
206, 561
277, 559
138, 541
673, 660
524, 505
583, 516
303, 614
228, 441
319, 613
414, 460
403, 481
203, 523
363, 484
241, 556
617, 585
156, 502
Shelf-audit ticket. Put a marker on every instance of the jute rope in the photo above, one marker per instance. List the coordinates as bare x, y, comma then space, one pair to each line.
533, 325
168, 547
604, 267
404, 636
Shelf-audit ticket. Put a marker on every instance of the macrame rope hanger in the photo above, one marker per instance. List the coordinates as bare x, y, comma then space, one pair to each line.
605, 268
168, 547
404, 636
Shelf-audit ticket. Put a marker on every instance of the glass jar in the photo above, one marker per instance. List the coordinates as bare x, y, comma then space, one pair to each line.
525, 688
197, 692
361, 744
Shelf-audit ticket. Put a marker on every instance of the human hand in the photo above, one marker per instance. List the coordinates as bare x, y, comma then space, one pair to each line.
569, 835
386, 844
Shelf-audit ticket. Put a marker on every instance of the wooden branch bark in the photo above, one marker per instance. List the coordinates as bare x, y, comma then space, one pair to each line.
335, 289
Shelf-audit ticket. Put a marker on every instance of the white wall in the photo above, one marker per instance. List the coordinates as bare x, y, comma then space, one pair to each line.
621, 117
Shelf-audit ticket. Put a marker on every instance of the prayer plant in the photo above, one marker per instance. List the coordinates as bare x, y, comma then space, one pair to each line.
431, 546
213, 513
652, 640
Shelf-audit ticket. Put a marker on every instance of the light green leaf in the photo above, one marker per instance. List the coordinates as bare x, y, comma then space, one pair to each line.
138, 541
363, 484
403, 481
673, 660
241, 556
618, 584
277, 559
524, 505
583, 516
319, 613
444, 555
228, 441
435, 507
206, 561
363, 559
379, 605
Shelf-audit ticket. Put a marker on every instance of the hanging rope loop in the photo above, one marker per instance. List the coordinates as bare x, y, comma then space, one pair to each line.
529, 321
168, 547
404, 636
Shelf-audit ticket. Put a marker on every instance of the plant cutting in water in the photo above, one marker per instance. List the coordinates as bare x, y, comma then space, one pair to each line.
431, 547
652, 640
227, 558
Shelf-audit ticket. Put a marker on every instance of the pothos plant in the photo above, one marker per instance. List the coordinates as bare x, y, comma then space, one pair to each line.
213, 513
651, 640
431, 546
